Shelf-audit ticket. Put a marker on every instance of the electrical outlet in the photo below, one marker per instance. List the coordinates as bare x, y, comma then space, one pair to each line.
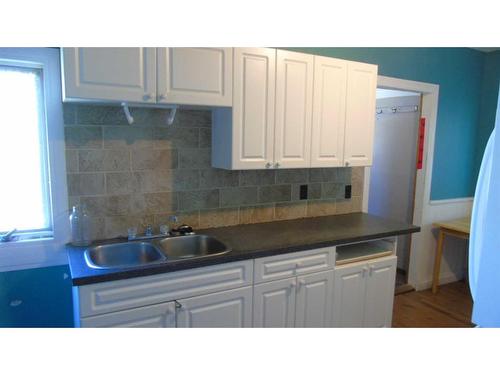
347, 193
303, 192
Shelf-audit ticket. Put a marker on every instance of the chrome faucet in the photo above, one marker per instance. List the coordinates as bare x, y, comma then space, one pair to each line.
6, 237
149, 231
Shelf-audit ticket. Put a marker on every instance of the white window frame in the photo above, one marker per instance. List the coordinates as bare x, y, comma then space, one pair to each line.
44, 252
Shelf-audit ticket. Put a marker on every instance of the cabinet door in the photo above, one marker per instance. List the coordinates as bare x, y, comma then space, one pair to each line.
360, 114
330, 85
117, 74
197, 76
154, 316
253, 108
314, 300
380, 292
274, 304
294, 94
349, 295
232, 309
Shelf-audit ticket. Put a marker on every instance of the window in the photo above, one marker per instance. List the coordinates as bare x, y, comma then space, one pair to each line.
33, 194
25, 189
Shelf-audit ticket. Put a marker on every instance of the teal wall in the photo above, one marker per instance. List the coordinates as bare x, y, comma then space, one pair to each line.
44, 295
458, 72
489, 97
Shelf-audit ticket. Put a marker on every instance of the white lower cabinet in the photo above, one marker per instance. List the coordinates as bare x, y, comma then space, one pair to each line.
314, 300
301, 289
304, 301
161, 315
274, 304
228, 309
364, 293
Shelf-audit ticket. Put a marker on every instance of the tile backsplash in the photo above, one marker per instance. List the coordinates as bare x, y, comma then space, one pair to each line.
134, 175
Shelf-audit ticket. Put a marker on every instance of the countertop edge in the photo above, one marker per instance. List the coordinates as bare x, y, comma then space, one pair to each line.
227, 258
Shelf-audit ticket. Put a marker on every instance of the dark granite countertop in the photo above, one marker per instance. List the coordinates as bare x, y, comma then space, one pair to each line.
254, 241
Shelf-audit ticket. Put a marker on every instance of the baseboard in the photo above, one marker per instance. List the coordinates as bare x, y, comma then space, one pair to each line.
443, 279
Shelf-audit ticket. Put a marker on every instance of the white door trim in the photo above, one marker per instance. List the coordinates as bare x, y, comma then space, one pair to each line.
430, 96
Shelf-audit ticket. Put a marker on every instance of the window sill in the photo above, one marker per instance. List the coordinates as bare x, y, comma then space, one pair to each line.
35, 253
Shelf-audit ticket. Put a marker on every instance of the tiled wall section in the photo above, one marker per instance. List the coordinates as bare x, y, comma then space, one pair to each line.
135, 175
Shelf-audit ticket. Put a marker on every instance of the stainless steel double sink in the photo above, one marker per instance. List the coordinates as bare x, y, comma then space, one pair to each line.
146, 252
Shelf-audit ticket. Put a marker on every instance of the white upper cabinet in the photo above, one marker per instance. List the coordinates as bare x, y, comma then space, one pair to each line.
243, 137
294, 90
330, 86
116, 74
360, 114
198, 76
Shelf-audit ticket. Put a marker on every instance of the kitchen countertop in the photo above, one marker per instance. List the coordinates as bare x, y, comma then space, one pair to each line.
256, 240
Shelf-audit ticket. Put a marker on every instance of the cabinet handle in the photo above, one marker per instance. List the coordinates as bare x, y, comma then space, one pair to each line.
276, 165
148, 96
268, 165
365, 269
161, 97
178, 305
346, 163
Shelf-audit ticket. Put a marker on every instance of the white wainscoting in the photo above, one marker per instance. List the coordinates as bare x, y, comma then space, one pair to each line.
454, 262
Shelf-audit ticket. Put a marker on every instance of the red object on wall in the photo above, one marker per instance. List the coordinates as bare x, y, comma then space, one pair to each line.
421, 138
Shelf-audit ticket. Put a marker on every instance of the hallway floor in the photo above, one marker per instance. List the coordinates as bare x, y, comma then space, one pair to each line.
450, 307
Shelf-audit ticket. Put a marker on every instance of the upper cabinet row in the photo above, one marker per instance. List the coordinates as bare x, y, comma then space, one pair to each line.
275, 108
197, 76
295, 110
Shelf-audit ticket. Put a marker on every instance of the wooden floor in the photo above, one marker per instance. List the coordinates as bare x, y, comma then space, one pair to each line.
450, 307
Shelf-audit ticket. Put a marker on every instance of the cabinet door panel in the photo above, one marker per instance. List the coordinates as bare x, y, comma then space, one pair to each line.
330, 80
349, 296
118, 74
274, 304
294, 94
314, 300
253, 107
380, 293
231, 309
197, 76
154, 316
360, 114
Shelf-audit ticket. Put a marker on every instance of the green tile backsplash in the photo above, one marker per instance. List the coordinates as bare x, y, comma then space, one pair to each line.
134, 175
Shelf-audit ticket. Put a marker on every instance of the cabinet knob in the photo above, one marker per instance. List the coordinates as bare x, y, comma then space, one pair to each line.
277, 165
346, 163
148, 96
161, 97
268, 165
178, 305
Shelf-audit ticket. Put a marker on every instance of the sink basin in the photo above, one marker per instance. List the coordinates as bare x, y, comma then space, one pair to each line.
126, 254
191, 246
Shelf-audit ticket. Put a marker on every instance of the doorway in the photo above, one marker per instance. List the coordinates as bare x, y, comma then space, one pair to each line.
393, 173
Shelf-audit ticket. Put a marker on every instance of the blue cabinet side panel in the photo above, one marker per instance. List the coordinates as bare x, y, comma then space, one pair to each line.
39, 297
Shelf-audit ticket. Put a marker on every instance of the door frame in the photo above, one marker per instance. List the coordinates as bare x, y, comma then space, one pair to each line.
430, 96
